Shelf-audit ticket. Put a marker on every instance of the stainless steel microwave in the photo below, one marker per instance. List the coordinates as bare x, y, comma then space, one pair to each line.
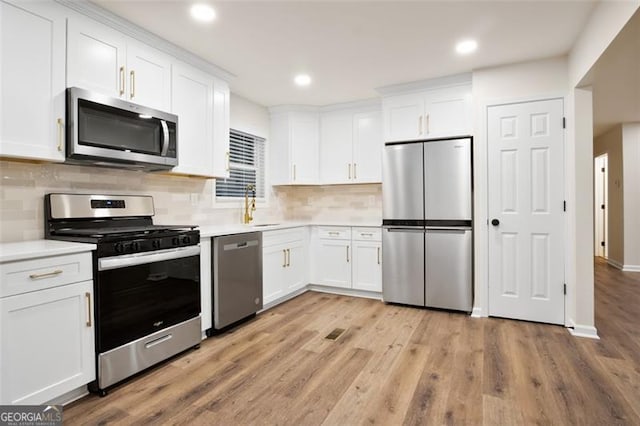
111, 132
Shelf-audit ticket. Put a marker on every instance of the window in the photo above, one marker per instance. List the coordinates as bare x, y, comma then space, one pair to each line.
246, 166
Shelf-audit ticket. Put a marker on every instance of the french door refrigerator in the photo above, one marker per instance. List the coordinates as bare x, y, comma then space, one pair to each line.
427, 224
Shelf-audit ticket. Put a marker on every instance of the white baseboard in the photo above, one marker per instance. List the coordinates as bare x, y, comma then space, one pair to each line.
345, 291
476, 312
615, 263
587, 331
284, 298
631, 268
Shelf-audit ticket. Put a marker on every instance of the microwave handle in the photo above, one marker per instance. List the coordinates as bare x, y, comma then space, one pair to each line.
165, 138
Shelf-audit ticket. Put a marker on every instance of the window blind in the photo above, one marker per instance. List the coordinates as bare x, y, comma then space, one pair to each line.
246, 166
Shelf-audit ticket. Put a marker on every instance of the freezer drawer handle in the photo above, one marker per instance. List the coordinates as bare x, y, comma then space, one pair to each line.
421, 231
460, 230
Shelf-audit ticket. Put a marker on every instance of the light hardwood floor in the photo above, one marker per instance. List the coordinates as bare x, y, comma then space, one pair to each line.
394, 365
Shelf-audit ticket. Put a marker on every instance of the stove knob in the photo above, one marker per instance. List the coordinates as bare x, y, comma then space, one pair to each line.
156, 244
175, 241
118, 247
186, 239
135, 247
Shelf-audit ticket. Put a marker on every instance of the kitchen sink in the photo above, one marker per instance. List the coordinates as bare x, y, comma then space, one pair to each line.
265, 224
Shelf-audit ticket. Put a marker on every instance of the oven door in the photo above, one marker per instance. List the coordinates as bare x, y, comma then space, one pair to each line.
141, 293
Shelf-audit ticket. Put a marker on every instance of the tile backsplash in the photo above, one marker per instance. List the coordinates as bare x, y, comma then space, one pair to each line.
177, 199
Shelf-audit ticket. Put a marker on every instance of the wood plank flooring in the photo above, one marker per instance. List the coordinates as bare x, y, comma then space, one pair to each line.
394, 365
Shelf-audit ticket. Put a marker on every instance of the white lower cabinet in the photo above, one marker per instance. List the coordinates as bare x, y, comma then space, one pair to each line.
46, 327
284, 263
347, 257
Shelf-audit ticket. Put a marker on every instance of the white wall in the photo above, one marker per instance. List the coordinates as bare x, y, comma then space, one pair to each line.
525, 81
631, 185
249, 117
605, 22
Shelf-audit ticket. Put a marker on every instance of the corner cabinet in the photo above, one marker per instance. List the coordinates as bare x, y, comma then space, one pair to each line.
347, 257
434, 113
351, 147
284, 263
294, 148
106, 61
32, 78
46, 328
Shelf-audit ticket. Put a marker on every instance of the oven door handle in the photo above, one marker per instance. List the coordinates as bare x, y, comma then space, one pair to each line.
123, 261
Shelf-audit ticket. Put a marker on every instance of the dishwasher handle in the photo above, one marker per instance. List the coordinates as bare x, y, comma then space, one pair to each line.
239, 246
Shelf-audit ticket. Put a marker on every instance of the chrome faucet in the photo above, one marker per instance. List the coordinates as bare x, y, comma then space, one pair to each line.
249, 208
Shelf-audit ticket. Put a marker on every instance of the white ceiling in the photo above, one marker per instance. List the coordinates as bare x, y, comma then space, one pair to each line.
351, 47
616, 80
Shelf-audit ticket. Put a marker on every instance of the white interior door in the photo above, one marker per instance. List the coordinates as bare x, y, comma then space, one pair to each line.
526, 235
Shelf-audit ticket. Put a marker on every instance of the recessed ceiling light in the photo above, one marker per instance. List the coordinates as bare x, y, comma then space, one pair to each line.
466, 46
302, 80
203, 12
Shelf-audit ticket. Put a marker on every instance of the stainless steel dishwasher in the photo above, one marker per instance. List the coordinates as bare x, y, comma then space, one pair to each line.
237, 277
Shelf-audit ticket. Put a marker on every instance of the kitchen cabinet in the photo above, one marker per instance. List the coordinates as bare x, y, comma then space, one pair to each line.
32, 77
284, 263
434, 113
106, 61
294, 148
347, 257
351, 147
192, 102
221, 106
46, 328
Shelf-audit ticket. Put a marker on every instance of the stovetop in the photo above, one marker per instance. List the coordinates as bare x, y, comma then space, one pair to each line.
122, 231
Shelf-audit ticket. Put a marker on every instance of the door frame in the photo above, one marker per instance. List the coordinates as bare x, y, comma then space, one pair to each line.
481, 205
602, 161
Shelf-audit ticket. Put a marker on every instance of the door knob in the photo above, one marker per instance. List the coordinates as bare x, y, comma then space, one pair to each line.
495, 222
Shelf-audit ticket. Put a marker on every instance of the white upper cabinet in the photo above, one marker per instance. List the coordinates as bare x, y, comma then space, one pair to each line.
220, 129
350, 147
192, 102
336, 147
148, 77
103, 60
435, 113
294, 148
367, 147
32, 80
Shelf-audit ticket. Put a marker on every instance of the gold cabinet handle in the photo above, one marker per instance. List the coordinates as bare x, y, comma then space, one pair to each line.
366, 234
294, 172
288, 257
284, 254
420, 125
228, 161
60, 133
347, 253
428, 129
132, 84
349, 170
121, 81
355, 173
46, 274
87, 296
378, 255
334, 233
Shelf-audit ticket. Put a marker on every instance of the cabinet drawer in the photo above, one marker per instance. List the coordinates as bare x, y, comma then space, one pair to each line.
334, 232
38, 274
367, 234
283, 236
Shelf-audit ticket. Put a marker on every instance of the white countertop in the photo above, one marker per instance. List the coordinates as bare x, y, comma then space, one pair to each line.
218, 230
23, 250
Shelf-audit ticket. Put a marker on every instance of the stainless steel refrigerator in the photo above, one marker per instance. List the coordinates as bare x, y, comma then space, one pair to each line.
427, 224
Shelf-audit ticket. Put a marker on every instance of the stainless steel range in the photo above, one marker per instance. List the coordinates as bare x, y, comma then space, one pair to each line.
146, 280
